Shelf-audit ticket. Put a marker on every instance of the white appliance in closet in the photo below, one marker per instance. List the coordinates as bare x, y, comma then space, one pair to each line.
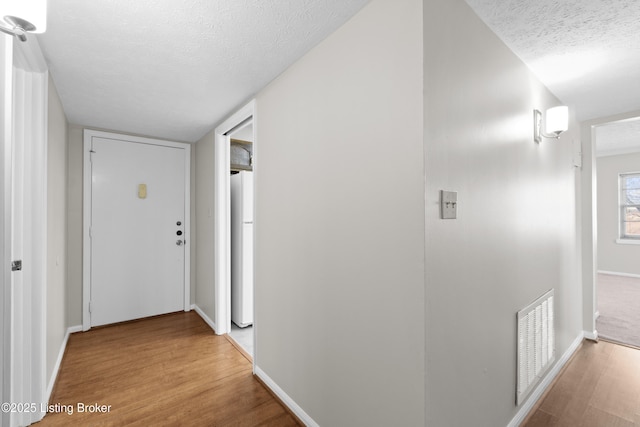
242, 248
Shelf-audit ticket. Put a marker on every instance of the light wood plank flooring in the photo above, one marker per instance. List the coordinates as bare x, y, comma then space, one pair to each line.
169, 370
599, 387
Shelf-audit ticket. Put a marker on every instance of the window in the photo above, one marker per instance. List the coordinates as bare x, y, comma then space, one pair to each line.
630, 206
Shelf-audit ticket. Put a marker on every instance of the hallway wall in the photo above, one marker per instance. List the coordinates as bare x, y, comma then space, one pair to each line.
74, 228
339, 264
516, 232
204, 205
57, 190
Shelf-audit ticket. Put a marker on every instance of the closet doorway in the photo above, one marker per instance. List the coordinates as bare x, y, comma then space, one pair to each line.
240, 127
241, 222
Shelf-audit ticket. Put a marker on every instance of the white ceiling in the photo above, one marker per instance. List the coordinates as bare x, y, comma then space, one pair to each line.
587, 52
175, 68
618, 138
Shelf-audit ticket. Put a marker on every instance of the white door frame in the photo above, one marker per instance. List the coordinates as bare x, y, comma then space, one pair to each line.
6, 84
24, 310
86, 229
222, 223
590, 219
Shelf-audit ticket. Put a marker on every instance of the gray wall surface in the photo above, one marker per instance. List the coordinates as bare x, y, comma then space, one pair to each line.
56, 227
339, 265
204, 248
515, 236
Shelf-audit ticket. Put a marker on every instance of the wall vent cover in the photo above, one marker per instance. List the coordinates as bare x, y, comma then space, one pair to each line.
536, 344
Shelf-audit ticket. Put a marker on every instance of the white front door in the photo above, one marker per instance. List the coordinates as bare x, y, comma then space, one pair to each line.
137, 230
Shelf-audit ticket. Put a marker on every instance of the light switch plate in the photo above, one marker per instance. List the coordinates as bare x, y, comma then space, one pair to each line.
577, 153
448, 204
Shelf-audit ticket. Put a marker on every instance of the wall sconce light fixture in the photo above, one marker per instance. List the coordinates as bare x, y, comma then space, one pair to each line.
20, 17
556, 122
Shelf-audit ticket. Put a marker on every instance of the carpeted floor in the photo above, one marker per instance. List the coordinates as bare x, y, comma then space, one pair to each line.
619, 307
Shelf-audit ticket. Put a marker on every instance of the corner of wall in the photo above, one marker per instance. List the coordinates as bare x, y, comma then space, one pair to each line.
202, 209
57, 196
74, 221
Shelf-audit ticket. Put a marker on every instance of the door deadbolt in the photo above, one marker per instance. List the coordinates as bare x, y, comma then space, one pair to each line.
179, 232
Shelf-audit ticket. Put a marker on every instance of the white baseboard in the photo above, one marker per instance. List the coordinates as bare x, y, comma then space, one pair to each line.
74, 329
617, 273
284, 397
206, 318
593, 336
546, 382
56, 367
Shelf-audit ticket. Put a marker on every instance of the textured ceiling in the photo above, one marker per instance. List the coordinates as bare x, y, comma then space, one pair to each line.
587, 52
175, 68
618, 138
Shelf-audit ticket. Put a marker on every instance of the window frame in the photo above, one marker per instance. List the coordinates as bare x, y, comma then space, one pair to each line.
622, 207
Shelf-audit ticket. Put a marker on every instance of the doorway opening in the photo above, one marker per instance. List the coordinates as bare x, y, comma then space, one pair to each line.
241, 126
135, 216
241, 218
617, 230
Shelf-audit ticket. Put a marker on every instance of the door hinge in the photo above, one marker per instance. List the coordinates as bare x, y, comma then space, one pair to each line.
16, 265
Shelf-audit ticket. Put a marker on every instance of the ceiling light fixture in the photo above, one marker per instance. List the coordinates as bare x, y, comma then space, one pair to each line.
23, 16
556, 122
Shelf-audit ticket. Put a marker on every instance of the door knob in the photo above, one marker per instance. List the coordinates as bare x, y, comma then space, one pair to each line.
179, 242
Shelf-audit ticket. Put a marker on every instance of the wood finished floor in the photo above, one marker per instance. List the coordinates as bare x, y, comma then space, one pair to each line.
600, 387
165, 371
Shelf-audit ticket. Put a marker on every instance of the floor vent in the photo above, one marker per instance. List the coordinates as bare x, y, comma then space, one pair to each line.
536, 344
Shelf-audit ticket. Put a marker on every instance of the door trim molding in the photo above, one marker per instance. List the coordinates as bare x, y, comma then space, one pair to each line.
6, 126
89, 134
28, 312
222, 224
589, 207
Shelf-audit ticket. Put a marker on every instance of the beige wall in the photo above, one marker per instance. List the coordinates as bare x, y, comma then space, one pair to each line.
612, 256
74, 220
74, 217
339, 258
516, 232
56, 227
204, 273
